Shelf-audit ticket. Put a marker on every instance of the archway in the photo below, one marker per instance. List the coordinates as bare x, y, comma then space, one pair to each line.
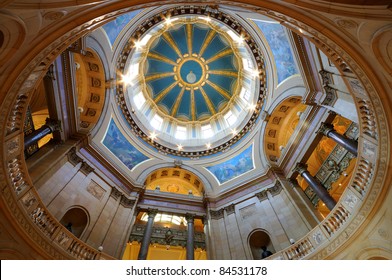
258, 239
281, 125
75, 220
175, 180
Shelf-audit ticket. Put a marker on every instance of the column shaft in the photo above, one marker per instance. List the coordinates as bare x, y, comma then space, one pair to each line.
321, 192
36, 135
49, 127
190, 247
147, 236
349, 144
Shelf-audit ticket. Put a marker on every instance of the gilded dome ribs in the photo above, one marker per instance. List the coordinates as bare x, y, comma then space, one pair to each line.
220, 90
158, 76
207, 41
193, 105
224, 73
193, 80
208, 101
171, 42
177, 103
189, 37
161, 58
163, 93
220, 55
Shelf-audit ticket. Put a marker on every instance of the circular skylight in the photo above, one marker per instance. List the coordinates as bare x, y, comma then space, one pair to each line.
193, 80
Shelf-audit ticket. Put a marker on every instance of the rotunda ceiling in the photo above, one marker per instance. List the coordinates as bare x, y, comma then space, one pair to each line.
191, 70
191, 81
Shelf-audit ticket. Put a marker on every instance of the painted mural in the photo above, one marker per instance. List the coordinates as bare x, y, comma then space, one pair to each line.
280, 47
114, 27
233, 167
115, 141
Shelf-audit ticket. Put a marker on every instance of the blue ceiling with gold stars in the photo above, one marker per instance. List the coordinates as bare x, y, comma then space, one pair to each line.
191, 71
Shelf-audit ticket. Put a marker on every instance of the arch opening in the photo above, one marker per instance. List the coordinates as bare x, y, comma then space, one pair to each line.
75, 220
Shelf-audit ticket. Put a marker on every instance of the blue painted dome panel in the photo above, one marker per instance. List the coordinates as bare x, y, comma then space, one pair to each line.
184, 110
223, 63
215, 46
159, 85
199, 35
179, 36
163, 48
157, 66
201, 108
216, 98
224, 82
168, 101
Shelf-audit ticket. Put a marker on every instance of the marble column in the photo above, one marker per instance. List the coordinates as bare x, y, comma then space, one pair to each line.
190, 240
49, 127
147, 235
320, 191
347, 143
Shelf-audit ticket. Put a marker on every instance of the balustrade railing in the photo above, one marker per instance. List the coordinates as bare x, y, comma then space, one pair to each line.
337, 218
25, 195
363, 176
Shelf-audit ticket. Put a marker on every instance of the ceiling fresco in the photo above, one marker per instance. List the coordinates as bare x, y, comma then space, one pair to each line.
122, 149
233, 167
279, 44
113, 28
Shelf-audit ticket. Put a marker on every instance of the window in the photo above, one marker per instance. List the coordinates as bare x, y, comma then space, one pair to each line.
181, 132
230, 118
206, 131
248, 65
156, 122
235, 37
245, 94
166, 218
139, 100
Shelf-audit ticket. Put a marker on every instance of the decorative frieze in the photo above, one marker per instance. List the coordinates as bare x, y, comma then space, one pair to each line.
166, 236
